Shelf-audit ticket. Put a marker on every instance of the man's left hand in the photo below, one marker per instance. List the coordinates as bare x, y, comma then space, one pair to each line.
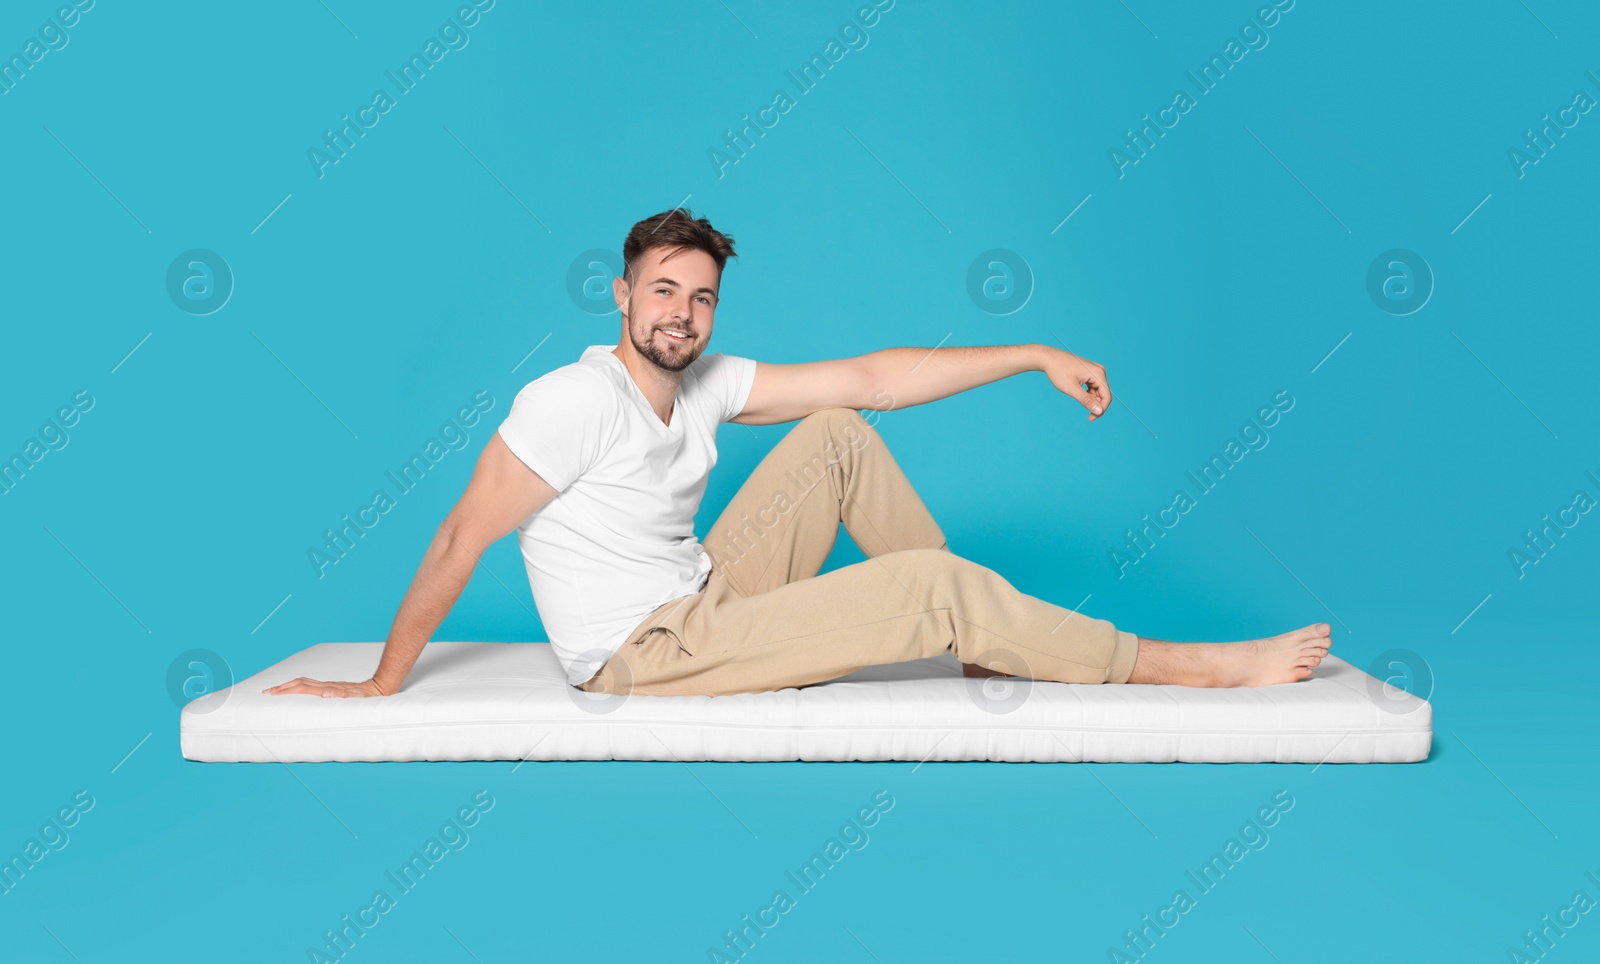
1082, 379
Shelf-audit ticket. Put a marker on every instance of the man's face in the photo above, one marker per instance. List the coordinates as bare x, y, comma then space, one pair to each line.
671, 293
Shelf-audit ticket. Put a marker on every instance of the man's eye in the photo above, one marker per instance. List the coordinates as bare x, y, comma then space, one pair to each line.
659, 290
705, 299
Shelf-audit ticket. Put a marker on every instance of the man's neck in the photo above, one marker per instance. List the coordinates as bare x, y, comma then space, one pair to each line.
660, 388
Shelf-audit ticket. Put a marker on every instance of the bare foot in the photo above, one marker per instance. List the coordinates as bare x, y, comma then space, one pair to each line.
1256, 662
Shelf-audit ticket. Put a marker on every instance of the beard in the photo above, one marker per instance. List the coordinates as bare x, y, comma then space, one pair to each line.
672, 357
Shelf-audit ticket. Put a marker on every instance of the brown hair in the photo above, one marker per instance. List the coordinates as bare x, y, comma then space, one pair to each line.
678, 230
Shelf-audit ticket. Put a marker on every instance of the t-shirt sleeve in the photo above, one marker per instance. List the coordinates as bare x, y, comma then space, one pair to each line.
727, 380
559, 424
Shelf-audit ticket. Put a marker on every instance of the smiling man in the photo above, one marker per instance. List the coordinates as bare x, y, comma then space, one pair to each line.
600, 467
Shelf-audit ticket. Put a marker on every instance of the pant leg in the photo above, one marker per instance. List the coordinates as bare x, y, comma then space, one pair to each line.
775, 535
896, 606
830, 468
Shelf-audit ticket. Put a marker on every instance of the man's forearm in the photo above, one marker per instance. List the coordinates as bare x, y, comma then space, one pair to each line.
901, 377
445, 570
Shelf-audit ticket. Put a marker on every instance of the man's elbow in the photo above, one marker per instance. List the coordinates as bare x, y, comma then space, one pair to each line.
875, 388
461, 542
870, 388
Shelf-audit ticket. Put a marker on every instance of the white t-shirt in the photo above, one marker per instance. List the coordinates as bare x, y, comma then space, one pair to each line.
618, 541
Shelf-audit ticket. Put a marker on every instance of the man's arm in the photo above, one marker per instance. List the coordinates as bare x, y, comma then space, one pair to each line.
503, 492
901, 377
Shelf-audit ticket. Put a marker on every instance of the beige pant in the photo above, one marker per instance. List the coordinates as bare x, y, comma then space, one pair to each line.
765, 619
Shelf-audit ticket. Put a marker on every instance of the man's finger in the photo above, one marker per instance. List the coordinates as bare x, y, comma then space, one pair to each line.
301, 685
1078, 394
1100, 395
1090, 398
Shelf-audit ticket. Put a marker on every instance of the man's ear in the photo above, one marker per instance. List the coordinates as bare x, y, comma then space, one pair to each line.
619, 293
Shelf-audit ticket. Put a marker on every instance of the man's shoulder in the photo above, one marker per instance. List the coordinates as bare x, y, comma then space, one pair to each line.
721, 384
587, 379
718, 365
713, 358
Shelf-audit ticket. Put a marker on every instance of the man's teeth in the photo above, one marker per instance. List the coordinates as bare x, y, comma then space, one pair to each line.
675, 334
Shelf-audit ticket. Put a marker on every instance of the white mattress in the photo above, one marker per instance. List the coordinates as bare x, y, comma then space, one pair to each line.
510, 701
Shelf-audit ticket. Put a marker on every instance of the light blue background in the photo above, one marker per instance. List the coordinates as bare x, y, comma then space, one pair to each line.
1220, 269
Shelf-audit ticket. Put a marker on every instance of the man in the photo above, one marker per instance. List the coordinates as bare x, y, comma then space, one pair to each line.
600, 466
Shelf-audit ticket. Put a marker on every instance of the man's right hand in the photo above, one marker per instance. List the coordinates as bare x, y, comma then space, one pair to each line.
312, 687
502, 494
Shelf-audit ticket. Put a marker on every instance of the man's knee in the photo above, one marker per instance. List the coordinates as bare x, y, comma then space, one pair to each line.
834, 417
845, 426
938, 563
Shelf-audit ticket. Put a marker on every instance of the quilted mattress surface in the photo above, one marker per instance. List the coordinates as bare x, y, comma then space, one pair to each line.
510, 701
